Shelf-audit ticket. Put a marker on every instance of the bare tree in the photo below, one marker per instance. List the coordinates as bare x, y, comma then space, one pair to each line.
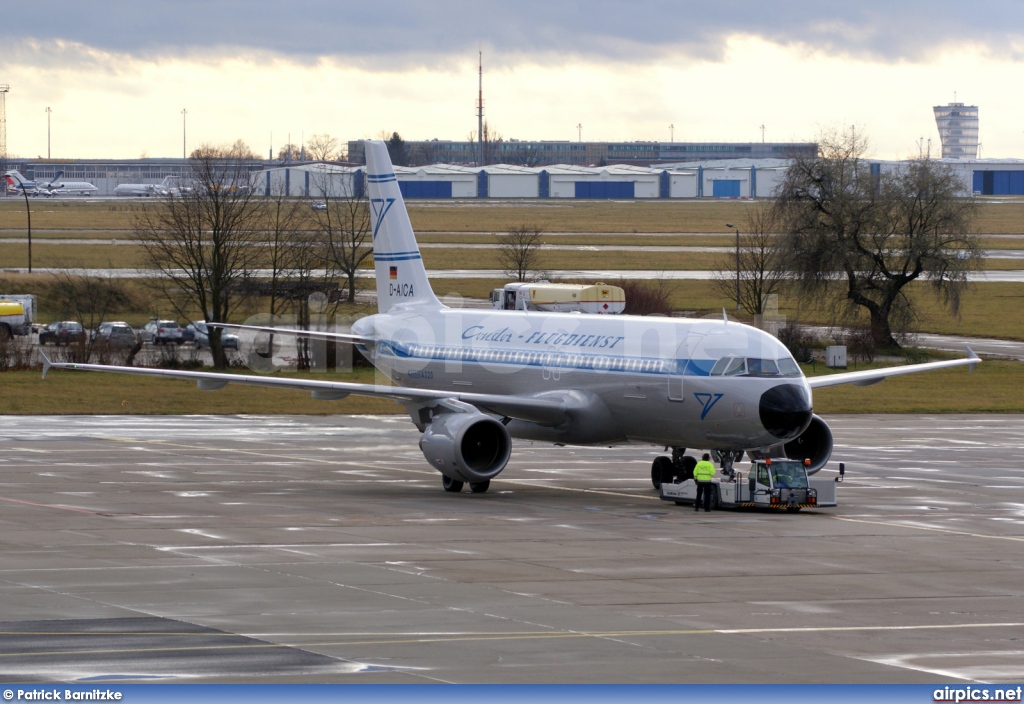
204, 239
858, 237
88, 299
289, 152
239, 148
322, 147
653, 297
519, 252
284, 247
754, 271
344, 229
490, 145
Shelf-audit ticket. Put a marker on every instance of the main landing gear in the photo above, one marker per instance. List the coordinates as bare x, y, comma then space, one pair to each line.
674, 469
679, 467
455, 486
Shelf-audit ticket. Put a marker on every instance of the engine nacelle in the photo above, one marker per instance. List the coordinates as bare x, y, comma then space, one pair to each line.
814, 444
467, 447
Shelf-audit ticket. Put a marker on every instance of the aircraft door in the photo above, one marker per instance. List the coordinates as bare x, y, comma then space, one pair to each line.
551, 371
684, 353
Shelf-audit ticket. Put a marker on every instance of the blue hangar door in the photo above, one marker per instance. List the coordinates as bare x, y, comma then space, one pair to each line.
725, 188
425, 189
604, 189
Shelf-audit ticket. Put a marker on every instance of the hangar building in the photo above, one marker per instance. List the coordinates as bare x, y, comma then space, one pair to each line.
725, 178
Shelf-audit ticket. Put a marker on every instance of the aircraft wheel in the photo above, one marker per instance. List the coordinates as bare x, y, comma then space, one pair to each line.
661, 471
479, 487
688, 464
452, 485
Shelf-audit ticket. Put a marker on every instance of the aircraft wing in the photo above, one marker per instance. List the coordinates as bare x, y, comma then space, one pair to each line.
321, 334
873, 376
547, 411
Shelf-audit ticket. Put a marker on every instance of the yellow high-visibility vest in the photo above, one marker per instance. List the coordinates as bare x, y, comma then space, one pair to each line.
704, 471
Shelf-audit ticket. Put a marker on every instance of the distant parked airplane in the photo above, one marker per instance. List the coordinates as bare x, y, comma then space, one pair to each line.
67, 188
18, 184
136, 189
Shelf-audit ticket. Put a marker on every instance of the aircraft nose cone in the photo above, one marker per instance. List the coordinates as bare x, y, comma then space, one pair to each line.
785, 411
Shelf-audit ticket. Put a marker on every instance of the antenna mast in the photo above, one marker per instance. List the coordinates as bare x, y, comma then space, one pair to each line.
480, 114
4, 88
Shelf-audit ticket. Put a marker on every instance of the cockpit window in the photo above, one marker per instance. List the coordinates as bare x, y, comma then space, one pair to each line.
755, 366
762, 367
788, 367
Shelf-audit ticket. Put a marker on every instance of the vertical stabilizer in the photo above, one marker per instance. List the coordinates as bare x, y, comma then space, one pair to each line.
401, 277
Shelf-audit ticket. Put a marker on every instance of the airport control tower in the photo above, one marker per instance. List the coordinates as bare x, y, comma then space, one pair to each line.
958, 130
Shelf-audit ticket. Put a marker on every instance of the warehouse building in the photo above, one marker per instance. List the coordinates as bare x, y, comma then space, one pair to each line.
724, 178
315, 180
549, 153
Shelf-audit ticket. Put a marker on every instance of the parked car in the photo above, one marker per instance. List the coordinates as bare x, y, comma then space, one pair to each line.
319, 205
64, 332
115, 334
161, 332
199, 333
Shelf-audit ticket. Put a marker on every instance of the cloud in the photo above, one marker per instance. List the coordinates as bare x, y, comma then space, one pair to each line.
403, 33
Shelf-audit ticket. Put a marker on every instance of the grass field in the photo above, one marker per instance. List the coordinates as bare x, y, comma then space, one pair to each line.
702, 216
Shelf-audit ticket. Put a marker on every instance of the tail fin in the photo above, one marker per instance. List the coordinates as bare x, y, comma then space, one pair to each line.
55, 179
401, 277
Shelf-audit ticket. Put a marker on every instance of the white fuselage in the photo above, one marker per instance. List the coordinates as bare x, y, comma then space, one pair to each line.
636, 379
71, 188
135, 189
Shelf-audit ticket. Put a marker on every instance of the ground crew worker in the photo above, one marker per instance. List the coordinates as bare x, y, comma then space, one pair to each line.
703, 474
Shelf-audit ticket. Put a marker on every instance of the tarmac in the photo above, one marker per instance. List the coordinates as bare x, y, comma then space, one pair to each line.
323, 549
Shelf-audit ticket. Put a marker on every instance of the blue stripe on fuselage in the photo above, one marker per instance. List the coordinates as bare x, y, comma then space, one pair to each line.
561, 360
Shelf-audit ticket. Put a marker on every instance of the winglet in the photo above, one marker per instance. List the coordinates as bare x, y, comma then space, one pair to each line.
46, 363
972, 355
725, 316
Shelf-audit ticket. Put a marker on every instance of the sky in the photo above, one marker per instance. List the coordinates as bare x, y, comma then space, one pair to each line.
117, 74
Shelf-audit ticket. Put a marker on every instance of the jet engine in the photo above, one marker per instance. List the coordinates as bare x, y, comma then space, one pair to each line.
814, 444
466, 447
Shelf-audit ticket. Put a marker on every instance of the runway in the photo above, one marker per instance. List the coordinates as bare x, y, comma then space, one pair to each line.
322, 549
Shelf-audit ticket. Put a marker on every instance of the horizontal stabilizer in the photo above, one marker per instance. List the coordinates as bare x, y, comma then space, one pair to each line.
318, 334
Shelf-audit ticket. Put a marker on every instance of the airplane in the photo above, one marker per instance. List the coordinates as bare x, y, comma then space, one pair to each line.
16, 183
136, 189
81, 188
473, 379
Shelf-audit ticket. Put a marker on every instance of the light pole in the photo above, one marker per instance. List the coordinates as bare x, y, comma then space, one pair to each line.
184, 114
48, 111
672, 133
730, 225
579, 131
